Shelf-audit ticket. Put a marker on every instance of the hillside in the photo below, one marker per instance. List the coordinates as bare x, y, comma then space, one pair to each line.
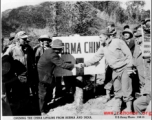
66, 18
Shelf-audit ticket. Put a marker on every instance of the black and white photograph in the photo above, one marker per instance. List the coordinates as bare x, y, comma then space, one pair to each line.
75, 59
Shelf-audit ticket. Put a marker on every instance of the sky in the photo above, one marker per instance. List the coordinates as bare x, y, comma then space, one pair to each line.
9, 4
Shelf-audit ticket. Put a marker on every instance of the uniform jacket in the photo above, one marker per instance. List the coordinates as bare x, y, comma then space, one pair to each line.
46, 64
116, 53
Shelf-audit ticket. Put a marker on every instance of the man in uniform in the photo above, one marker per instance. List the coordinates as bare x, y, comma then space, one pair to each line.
48, 61
108, 74
143, 66
8, 44
119, 58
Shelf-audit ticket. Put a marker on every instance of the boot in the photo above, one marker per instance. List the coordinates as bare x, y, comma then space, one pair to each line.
128, 108
117, 105
107, 97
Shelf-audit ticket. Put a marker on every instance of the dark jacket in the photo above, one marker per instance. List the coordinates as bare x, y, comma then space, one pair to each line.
47, 62
38, 53
131, 45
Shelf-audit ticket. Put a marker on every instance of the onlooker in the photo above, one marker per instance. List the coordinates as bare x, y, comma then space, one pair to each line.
143, 66
128, 35
141, 103
23, 54
46, 45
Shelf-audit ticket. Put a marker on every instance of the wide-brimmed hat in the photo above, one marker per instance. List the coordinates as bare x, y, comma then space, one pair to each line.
12, 36
45, 38
57, 44
128, 31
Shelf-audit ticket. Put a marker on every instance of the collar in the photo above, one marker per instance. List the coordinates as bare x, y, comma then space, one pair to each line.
108, 42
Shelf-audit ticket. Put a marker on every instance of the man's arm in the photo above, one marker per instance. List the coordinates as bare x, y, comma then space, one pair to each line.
96, 58
9, 50
125, 49
60, 63
37, 55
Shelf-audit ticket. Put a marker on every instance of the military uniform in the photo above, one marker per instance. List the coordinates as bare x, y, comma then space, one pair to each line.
119, 60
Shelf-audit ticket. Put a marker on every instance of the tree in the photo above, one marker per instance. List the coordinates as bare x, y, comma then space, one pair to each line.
134, 9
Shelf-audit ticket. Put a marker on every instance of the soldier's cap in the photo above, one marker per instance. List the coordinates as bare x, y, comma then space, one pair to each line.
128, 31
57, 44
45, 38
21, 34
12, 36
126, 27
138, 34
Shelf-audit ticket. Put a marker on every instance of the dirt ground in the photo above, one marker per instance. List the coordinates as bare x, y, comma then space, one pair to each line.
92, 107
92, 104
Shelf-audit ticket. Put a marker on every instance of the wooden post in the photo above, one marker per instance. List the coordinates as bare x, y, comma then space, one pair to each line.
78, 97
95, 81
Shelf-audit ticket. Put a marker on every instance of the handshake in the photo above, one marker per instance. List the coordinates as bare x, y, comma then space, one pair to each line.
79, 65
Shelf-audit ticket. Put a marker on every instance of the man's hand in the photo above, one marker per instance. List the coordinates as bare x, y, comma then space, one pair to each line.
131, 72
22, 78
80, 65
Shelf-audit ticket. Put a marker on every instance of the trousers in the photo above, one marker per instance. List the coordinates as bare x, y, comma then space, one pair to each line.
45, 95
122, 83
141, 103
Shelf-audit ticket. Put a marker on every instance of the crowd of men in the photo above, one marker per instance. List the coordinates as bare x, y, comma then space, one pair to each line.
28, 71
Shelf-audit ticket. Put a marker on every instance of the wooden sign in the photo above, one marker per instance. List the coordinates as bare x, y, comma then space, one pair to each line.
78, 49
